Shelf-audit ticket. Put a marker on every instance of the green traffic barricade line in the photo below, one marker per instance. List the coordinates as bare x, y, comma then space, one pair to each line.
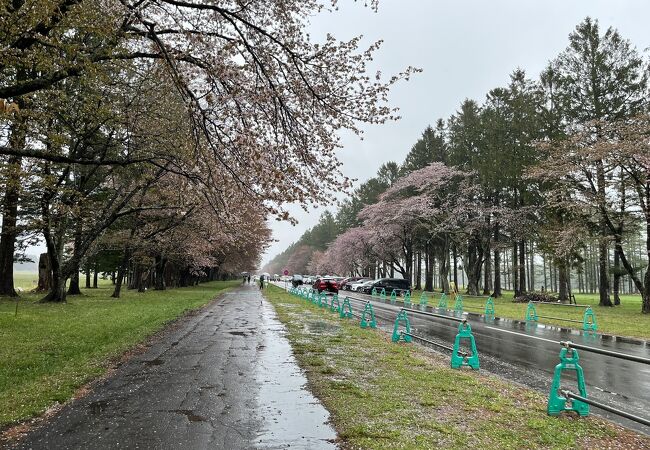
557, 403
589, 320
489, 308
393, 297
372, 323
373, 293
531, 313
442, 303
322, 300
382, 295
458, 305
397, 334
345, 312
407, 298
459, 360
423, 301
335, 299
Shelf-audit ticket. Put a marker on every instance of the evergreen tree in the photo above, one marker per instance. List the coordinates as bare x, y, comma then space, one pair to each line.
600, 77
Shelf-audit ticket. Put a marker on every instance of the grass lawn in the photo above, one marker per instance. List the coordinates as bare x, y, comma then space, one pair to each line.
401, 396
48, 350
623, 320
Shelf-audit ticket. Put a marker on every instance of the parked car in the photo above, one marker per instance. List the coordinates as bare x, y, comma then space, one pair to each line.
346, 282
297, 280
329, 284
398, 285
360, 286
354, 286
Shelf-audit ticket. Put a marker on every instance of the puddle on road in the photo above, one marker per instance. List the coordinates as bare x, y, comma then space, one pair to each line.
292, 416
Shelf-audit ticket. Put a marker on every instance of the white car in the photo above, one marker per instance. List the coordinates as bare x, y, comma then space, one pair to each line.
358, 286
355, 284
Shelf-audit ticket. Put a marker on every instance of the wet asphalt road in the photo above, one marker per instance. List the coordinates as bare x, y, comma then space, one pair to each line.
224, 378
528, 355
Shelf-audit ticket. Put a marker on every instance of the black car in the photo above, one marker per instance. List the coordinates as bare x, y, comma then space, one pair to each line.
399, 285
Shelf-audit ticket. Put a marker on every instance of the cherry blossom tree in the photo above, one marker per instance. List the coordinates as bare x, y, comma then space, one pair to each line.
351, 253
258, 101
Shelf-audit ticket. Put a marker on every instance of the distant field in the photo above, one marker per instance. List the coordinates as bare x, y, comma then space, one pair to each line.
29, 280
25, 280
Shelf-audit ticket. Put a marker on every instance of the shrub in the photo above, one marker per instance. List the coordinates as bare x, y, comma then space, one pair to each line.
535, 297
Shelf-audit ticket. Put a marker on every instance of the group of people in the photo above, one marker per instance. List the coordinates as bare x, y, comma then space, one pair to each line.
247, 279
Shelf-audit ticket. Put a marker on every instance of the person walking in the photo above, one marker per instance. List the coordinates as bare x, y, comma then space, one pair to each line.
261, 281
249, 279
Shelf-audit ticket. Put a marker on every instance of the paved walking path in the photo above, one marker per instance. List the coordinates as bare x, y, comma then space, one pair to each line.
225, 378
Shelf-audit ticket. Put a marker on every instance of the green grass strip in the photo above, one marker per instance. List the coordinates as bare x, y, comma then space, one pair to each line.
401, 396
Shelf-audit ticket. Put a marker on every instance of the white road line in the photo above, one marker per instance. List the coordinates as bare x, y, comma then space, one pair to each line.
524, 335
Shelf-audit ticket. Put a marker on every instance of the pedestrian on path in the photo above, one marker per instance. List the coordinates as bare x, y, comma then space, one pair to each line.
262, 282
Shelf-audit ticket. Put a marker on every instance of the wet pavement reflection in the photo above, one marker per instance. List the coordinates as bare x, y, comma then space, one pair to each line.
292, 416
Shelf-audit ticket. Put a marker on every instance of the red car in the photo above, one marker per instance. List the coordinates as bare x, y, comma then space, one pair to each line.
328, 284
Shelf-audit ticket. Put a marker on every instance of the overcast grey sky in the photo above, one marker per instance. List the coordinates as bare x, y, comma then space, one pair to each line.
465, 48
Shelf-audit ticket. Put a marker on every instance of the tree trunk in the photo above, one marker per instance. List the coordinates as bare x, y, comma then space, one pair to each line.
487, 283
443, 270
87, 273
515, 270
57, 290
497, 274
522, 267
645, 307
544, 271
418, 271
617, 274
408, 261
73, 289
54, 228
455, 256
13, 183
531, 270
121, 271
96, 273
44, 273
428, 269
603, 260
603, 278
473, 266
161, 263
9, 232
563, 282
